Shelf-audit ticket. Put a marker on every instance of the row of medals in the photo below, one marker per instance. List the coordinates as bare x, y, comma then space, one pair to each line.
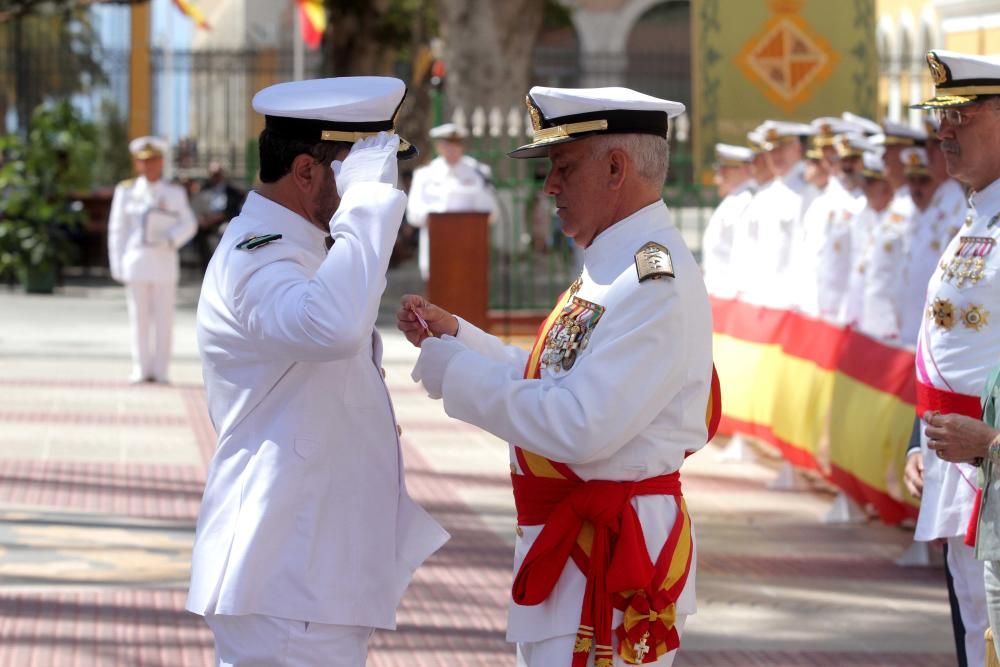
561, 350
964, 267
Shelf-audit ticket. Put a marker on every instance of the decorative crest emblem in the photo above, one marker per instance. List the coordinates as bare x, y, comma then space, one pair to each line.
939, 71
534, 112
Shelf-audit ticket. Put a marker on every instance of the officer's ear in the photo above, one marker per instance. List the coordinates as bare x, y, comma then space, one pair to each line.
618, 166
305, 172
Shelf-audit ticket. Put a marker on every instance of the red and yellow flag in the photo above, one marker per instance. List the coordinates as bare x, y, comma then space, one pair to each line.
192, 11
313, 15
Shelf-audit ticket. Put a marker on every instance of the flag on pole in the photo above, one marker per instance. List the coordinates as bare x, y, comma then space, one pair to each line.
191, 10
313, 15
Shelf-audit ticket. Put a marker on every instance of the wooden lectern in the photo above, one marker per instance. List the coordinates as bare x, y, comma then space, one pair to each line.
459, 264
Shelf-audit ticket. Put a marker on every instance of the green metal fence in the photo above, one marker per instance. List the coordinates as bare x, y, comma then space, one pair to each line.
531, 261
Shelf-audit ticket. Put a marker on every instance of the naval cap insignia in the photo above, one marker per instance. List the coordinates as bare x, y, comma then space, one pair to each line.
939, 71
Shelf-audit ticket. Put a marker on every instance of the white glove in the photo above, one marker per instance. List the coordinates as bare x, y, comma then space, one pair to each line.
435, 355
371, 160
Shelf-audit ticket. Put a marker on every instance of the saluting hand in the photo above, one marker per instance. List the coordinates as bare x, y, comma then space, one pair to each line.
413, 308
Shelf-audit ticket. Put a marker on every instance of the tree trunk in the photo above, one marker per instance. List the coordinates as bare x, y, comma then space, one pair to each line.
487, 51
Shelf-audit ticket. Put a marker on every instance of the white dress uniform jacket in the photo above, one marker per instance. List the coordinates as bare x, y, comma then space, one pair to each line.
777, 212
884, 262
862, 225
959, 344
823, 253
149, 222
305, 514
717, 244
931, 231
441, 188
629, 408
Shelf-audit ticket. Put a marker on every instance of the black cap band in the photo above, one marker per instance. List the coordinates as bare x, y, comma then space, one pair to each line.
310, 131
619, 121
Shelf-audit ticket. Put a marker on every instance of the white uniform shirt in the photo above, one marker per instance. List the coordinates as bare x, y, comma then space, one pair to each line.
442, 188
717, 244
149, 222
959, 344
305, 514
862, 225
823, 253
884, 263
629, 407
777, 211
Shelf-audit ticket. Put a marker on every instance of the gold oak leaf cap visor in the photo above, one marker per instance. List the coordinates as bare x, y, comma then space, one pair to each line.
561, 115
345, 108
960, 79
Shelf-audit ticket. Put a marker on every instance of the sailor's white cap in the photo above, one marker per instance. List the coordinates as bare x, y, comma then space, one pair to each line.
776, 132
560, 115
853, 144
828, 127
346, 108
865, 125
914, 161
143, 148
448, 131
960, 79
728, 155
872, 165
899, 134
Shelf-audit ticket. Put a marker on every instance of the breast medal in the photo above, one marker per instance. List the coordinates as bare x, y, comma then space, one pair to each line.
570, 334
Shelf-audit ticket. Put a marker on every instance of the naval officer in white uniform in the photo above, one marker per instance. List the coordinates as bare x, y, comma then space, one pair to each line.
734, 178
150, 220
959, 340
452, 181
306, 537
602, 412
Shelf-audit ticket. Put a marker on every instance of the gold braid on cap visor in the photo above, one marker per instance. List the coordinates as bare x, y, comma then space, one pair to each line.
352, 137
547, 134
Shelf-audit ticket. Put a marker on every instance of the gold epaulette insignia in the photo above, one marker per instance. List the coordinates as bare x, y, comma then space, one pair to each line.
653, 261
257, 241
127, 183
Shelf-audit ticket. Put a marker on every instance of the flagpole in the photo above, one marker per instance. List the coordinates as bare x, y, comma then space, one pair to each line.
168, 93
298, 44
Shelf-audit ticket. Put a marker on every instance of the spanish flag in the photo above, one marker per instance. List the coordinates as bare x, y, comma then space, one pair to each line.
192, 12
313, 16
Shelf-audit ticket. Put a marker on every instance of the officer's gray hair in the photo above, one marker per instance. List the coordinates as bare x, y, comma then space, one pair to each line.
648, 153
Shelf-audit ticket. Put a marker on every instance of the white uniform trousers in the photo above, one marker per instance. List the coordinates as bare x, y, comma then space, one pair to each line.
992, 575
970, 589
558, 652
265, 641
151, 316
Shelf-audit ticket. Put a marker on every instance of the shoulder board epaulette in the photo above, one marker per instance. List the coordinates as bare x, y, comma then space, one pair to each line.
257, 241
653, 261
127, 182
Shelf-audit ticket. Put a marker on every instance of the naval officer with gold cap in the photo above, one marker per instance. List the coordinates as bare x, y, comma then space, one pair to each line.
612, 397
959, 340
306, 537
149, 222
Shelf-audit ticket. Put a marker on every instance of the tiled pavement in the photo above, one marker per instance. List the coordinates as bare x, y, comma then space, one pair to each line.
100, 483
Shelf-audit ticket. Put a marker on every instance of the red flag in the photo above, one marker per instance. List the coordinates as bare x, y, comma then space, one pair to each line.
313, 15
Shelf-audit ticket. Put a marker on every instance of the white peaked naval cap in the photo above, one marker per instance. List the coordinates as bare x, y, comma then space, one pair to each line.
777, 132
347, 108
448, 131
561, 115
729, 155
828, 127
895, 133
914, 161
872, 165
864, 125
143, 148
960, 79
853, 144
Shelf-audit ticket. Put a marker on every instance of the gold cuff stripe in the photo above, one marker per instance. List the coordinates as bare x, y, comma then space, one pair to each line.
351, 137
564, 131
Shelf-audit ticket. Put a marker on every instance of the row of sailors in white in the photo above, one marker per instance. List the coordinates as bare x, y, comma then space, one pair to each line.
851, 234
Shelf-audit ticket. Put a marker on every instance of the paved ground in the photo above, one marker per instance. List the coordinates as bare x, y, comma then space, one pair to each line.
100, 483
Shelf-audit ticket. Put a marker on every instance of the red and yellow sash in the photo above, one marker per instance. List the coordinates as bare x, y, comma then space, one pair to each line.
612, 554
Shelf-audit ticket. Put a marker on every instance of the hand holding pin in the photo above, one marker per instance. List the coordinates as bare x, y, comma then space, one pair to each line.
421, 321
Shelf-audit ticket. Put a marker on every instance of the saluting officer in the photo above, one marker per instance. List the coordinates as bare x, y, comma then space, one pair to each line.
306, 537
150, 221
602, 412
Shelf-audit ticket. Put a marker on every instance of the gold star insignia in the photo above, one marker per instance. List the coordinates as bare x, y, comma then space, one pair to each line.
943, 313
975, 317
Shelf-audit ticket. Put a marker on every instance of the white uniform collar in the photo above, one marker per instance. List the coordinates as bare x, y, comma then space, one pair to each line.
987, 200
608, 243
265, 216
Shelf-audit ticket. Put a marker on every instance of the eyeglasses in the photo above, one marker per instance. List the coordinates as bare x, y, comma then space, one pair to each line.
953, 116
